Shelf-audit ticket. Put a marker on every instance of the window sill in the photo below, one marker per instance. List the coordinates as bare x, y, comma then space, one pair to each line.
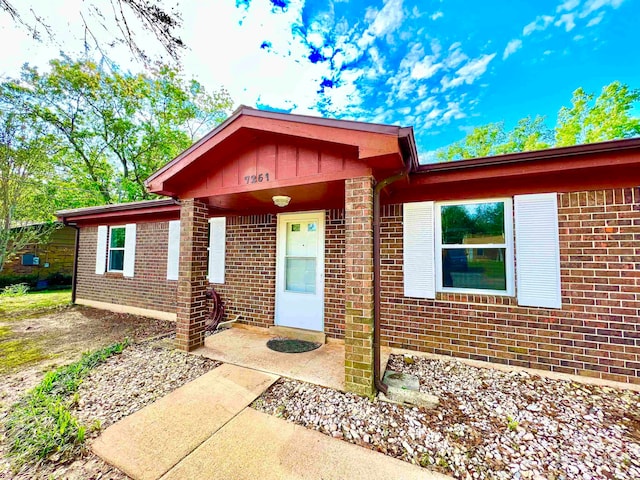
477, 297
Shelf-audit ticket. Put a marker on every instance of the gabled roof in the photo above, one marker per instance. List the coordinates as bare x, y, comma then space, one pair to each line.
371, 140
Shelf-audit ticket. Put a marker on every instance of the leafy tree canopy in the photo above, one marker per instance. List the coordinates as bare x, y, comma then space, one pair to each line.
589, 119
110, 130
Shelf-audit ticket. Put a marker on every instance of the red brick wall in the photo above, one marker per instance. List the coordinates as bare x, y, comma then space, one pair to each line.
597, 331
149, 288
250, 269
334, 250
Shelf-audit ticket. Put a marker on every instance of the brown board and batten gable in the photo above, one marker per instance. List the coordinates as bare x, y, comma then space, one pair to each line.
254, 155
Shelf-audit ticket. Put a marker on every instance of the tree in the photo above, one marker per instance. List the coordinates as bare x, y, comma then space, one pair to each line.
23, 162
121, 21
113, 129
605, 118
589, 120
480, 142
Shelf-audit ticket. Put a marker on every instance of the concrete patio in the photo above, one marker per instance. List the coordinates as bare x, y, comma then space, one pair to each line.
246, 347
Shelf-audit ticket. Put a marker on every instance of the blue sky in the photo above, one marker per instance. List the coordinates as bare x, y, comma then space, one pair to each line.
442, 66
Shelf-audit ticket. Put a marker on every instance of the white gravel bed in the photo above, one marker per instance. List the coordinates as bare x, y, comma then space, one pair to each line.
489, 425
137, 377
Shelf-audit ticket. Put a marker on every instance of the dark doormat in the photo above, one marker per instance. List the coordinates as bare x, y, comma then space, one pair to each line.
291, 345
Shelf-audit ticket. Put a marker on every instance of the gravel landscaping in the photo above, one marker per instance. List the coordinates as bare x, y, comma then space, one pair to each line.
489, 424
127, 382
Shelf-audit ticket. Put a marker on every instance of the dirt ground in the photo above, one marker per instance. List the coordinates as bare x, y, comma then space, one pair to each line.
57, 337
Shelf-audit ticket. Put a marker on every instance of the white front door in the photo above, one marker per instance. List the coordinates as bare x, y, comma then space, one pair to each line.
300, 271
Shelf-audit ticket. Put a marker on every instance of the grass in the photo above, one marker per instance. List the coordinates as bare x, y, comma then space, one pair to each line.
10, 306
18, 353
40, 427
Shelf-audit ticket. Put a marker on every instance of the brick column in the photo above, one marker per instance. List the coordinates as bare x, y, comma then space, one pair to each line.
358, 332
192, 275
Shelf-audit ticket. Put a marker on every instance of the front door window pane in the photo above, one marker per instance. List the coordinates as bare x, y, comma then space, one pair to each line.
300, 258
301, 275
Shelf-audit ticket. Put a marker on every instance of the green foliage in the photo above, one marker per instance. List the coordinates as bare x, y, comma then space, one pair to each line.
512, 424
589, 119
24, 166
41, 426
111, 129
55, 280
16, 290
595, 119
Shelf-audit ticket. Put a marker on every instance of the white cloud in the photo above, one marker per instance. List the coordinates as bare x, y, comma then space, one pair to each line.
567, 20
540, 23
596, 20
568, 5
456, 56
437, 15
426, 68
388, 19
512, 47
591, 6
453, 110
469, 72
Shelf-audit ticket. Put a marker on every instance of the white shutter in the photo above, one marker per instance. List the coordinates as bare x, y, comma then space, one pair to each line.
129, 250
173, 251
217, 249
419, 256
101, 250
538, 250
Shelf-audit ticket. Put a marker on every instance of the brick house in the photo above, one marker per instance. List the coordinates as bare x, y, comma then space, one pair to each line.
528, 259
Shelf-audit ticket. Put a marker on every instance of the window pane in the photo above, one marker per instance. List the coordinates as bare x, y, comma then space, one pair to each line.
474, 268
473, 223
117, 237
116, 259
301, 275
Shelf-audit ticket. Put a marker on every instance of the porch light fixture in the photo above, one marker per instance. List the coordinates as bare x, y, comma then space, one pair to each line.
281, 200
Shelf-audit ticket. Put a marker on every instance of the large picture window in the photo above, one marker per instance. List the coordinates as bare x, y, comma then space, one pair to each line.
474, 246
116, 248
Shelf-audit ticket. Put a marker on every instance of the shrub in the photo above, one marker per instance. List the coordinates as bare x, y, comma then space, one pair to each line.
15, 290
9, 280
59, 279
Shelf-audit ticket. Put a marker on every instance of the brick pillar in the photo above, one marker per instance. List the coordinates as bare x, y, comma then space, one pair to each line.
192, 275
358, 332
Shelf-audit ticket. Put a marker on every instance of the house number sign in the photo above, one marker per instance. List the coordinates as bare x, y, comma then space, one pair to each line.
261, 177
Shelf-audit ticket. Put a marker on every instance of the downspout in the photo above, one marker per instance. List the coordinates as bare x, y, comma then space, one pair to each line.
376, 271
74, 279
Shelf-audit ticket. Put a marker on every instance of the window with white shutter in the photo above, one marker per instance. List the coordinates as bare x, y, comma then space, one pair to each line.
217, 249
173, 250
418, 247
129, 250
101, 249
538, 250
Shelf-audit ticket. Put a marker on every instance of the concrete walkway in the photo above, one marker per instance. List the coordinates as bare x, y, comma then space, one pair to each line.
248, 348
204, 430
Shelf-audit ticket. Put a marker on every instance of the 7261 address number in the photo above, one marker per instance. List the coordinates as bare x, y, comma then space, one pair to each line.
261, 177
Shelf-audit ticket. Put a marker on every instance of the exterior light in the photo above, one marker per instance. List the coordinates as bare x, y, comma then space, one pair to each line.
281, 200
